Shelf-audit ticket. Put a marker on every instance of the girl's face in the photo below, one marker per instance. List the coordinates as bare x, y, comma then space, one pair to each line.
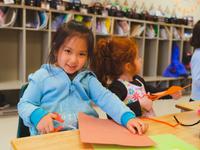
135, 66
138, 64
72, 55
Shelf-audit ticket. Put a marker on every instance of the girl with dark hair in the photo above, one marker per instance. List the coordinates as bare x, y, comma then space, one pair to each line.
195, 62
117, 65
66, 87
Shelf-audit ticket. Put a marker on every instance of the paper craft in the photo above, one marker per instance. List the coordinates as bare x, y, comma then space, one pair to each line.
171, 90
104, 131
164, 142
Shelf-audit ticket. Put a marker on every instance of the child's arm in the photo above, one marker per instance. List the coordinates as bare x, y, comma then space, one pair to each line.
154, 90
106, 100
112, 105
169, 95
29, 105
146, 103
151, 89
135, 125
120, 90
31, 113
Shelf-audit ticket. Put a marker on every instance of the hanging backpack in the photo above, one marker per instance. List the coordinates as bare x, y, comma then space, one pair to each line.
176, 68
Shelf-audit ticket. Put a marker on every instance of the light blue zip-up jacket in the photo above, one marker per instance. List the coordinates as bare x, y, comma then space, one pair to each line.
51, 90
195, 71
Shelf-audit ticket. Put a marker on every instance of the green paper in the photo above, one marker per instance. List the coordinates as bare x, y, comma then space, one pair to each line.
164, 142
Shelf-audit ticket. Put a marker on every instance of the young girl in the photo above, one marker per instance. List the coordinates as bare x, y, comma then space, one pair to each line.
65, 86
117, 60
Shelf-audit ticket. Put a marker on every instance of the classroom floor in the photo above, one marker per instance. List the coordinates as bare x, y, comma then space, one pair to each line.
8, 124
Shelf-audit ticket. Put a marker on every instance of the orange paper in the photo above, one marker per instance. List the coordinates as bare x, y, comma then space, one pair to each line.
171, 90
104, 131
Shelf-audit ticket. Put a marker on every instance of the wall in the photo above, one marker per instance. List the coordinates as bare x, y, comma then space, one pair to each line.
182, 7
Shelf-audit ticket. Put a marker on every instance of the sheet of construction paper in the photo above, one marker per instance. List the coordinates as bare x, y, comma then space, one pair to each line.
104, 131
164, 142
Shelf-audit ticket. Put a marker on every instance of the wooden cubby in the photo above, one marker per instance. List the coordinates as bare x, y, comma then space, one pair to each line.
24, 49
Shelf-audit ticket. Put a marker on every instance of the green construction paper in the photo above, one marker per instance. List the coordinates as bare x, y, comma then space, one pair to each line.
164, 142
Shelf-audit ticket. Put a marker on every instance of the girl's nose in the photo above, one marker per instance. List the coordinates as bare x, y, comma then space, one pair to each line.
74, 59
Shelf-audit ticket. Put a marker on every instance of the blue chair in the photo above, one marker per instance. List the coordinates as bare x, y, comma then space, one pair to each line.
22, 131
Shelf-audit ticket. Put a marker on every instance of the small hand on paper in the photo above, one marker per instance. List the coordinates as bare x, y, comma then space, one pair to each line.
137, 126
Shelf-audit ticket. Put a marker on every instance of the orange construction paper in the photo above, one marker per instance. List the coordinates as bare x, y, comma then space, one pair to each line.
171, 90
104, 131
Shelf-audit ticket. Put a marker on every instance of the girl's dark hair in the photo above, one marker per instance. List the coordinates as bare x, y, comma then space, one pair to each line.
195, 39
69, 30
110, 56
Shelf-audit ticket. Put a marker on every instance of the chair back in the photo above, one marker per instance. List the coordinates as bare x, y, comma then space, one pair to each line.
22, 130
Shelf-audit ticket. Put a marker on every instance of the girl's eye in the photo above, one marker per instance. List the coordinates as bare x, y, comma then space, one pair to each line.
83, 54
67, 50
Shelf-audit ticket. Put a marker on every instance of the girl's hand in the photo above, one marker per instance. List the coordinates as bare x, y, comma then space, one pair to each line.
137, 126
176, 95
146, 103
45, 125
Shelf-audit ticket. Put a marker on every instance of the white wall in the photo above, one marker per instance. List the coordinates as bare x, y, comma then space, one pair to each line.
182, 7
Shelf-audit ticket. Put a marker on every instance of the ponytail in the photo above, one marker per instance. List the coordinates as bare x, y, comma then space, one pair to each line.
102, 61
110, 56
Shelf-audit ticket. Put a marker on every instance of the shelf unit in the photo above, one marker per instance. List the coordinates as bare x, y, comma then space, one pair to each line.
24, 49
